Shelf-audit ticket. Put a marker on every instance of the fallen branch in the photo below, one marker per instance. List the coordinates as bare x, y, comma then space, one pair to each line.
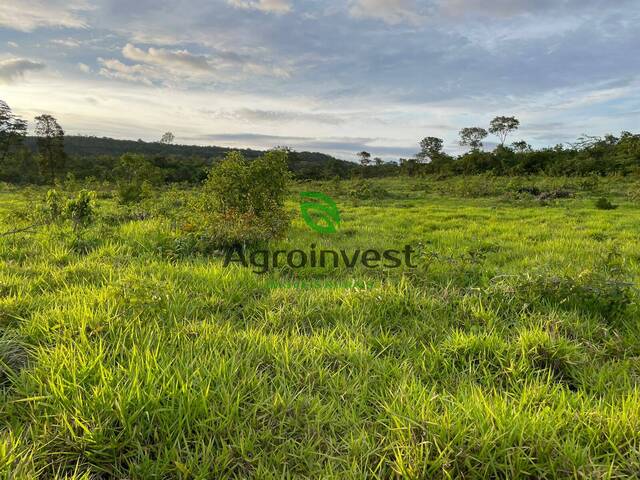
20, 230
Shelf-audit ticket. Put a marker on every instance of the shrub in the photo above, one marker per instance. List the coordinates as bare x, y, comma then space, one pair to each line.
53, 208
243, 202
605, 204
80, 210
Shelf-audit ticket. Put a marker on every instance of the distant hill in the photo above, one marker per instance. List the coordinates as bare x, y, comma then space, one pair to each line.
96, 156
96, 146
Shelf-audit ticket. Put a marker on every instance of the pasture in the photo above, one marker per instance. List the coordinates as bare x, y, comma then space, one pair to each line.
510, 351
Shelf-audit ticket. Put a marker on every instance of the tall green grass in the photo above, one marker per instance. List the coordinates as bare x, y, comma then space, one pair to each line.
510, 352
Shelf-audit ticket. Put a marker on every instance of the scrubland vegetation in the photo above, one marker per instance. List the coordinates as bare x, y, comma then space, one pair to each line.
511, 351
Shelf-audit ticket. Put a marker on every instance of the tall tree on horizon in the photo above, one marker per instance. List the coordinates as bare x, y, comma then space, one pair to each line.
50, 139
12, 130
365, 158
501, 127
168, 138
472, 137
430, 148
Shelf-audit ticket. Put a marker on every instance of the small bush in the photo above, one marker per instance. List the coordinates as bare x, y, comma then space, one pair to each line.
53, 205
605, 204
80, 210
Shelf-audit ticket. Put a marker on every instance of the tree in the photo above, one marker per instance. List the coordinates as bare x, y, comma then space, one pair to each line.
12, 130
378, 162
365, 158
50, 139
503, 126
521, 146
243, 202
430, 148
167, 138
472, 137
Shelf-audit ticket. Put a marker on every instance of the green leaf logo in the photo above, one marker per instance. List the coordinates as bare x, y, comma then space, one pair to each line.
319, 212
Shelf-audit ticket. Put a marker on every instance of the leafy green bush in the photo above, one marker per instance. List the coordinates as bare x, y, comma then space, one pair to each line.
242, 202
605, 204
81, 209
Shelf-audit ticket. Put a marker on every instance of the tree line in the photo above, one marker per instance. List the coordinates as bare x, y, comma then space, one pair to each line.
50, 156
589, 155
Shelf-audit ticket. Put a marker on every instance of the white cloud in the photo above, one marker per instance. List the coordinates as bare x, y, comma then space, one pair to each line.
163, 66
179, 59
15, 68
270, 6
84, 68
28, 15
66, 42
12, 44
115, 69
392, 12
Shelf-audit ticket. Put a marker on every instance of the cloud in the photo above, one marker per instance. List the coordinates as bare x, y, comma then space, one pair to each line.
496, 8
394, 70
115, 69
66, 42
269, 6
248, 115
160, 65
84, 68
15, 68
179, 59
28, 15
392, 12
510, 8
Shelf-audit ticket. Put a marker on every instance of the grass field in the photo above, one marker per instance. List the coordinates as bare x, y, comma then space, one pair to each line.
511, 351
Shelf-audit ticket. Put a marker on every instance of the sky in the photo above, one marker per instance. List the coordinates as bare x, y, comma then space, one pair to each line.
336, 76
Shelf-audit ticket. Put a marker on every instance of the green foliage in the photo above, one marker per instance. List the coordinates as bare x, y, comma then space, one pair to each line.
604, 204
12, 131
136, 176
50, 139
54, 204
80, 210
503, 126
242, 202
472, 137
